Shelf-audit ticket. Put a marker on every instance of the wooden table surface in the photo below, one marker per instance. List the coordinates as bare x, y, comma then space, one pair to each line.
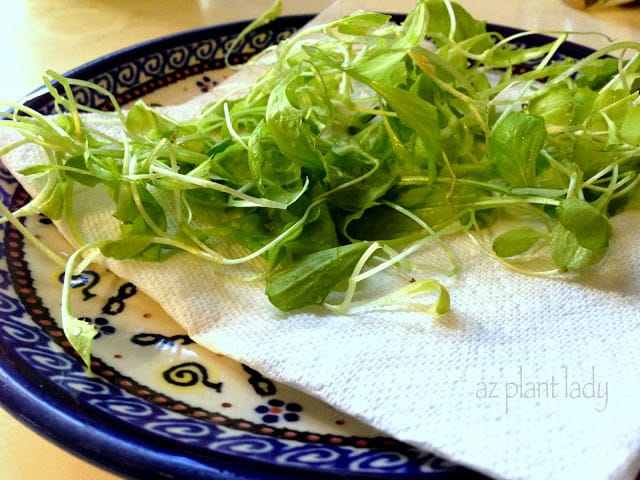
37, 35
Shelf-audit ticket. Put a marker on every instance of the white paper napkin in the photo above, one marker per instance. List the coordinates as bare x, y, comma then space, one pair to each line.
525, 377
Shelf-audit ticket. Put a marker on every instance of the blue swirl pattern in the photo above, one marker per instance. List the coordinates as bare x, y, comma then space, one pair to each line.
46, 361
152, 70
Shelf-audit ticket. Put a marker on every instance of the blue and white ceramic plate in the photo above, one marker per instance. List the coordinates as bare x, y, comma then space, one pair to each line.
158, 405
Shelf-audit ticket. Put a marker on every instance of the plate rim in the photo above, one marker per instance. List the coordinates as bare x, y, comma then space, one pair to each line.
47, 414
99, 64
